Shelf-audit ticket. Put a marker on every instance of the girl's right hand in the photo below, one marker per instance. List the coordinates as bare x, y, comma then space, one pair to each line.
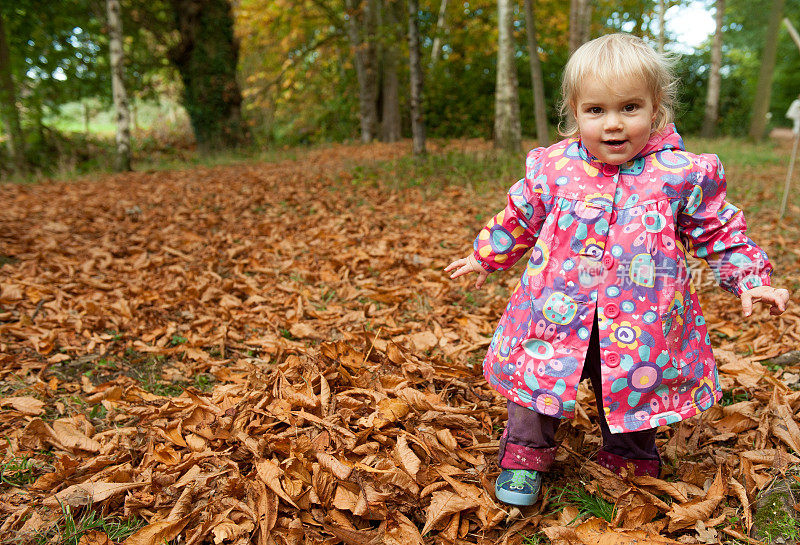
467, 265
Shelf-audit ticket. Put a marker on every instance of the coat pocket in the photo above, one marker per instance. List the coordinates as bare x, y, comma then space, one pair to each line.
679, 335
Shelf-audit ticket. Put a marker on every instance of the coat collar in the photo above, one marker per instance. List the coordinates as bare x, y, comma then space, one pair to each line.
665, 139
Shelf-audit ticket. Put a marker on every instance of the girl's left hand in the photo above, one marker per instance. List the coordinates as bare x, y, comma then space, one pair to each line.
467, 265
766, 294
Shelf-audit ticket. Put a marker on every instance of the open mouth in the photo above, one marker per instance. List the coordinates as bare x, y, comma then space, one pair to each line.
614, 142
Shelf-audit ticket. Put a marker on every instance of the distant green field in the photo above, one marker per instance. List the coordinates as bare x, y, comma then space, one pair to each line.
738, 151
96, 118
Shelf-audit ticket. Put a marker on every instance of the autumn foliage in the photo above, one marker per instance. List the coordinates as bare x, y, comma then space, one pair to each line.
342, 399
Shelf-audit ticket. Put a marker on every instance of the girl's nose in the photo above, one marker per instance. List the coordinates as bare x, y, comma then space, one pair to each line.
613, 121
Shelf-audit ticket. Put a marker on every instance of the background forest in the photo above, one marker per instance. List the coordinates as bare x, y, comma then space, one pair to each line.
266, 73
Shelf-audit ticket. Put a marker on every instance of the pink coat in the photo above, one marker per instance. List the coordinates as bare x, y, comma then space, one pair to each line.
615, 240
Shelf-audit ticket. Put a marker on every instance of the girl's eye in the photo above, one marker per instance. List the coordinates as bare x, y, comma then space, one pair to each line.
631, 107
595, 110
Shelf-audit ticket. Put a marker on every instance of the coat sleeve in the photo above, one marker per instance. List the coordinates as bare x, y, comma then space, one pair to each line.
514, 230
713, 229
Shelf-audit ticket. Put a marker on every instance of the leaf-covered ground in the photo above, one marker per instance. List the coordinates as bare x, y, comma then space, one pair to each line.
271, 353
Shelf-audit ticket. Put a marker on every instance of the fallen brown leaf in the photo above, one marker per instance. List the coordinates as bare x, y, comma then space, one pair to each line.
445, 503
686, 515
597, 531
25, 404
89, 493
94, 537
157, 532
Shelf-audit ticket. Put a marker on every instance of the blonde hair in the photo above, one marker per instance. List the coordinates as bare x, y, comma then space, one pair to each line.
613, 58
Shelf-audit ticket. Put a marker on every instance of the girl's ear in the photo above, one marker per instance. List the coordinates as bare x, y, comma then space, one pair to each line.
573, 108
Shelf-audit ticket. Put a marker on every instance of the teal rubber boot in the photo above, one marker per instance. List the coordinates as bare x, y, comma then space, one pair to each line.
518, 486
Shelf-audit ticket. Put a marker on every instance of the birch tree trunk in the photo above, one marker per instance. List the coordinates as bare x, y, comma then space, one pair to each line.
364, 52
415, 75
758, 122
712, 99
123, 158
662, 8
8, 107
537, 83
436, 49
507, 128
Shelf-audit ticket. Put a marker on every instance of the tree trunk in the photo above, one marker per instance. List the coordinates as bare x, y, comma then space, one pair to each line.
507, 128
712, 99
123, 158
415, 75
436, 49
206, 58
586, 21
758, 122
574, 8
86, 118
662, 8
8, 107
37, 110
580, 17
365, 55
134, 117
390, 114
537, 81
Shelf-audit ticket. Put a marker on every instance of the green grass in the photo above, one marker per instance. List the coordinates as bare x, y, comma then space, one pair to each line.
536, 539
433, 172
20, 471
177, 339
734, 395
98, 369
167, 161
737, 151
13, 385
745, 165
147, 371
573, 494
73, 524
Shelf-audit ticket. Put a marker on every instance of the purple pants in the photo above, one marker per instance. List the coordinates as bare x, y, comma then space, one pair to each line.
529, 440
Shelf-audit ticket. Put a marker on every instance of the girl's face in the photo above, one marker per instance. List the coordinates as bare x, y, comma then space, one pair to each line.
615, 123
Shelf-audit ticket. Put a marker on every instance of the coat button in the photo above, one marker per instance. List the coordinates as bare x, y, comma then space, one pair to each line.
610, 170
611, 310
608, 261
612, 359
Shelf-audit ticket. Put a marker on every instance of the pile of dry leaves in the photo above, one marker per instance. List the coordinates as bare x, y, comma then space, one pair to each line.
347, 405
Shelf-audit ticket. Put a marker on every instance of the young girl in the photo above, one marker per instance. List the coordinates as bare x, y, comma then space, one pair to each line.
611, 214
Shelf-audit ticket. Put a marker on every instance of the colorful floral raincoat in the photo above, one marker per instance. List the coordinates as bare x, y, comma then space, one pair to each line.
615, 240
